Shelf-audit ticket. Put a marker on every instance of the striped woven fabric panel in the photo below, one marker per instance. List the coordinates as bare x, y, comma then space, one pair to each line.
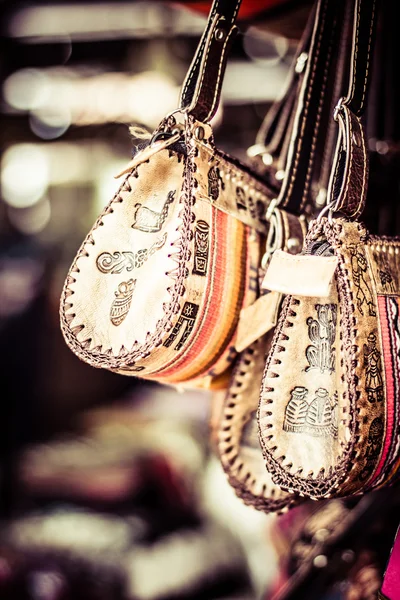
389, 463
223, 299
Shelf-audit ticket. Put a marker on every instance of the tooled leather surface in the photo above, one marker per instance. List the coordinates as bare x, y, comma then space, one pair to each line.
230, 188
238, 444
383, 255
324, 466
155, 234
299, 409
355, 164
89, 293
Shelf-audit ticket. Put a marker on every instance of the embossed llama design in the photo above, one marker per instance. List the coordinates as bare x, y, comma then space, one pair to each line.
148, 220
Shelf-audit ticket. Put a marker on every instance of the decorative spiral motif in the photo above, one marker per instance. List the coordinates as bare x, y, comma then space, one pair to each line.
118, 261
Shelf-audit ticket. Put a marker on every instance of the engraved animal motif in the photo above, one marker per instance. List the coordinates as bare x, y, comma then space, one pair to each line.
118, 261
373, 370
215, 183
122, 301
186, 320
321, 331
150, 221
201, 245
317, 418
359, 267
374, 446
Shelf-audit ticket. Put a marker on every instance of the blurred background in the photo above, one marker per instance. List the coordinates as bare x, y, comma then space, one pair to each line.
109, 486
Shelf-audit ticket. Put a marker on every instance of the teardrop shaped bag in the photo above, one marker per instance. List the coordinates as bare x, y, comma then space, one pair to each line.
157, 286
292, 138
329, 419
238, 444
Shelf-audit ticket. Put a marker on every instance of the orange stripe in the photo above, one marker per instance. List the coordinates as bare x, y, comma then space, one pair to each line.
204, 352
223, 299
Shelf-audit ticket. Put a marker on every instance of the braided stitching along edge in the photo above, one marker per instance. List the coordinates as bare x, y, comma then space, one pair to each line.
240, 475
323, 484
125, 358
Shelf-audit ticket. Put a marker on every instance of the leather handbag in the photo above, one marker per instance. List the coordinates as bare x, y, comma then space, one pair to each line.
328, 413
234, 418
238, 445
157, 287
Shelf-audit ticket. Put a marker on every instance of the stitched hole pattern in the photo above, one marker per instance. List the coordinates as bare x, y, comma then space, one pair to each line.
100, 357
325, 482
240, 475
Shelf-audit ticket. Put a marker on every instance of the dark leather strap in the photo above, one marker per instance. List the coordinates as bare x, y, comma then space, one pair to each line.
339, 77
348, 185
363, 33
313, 99
275, 127
293, 136
202, 87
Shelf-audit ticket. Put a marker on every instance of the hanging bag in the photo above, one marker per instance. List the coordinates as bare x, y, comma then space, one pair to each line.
157, 286
236, 424
328, 411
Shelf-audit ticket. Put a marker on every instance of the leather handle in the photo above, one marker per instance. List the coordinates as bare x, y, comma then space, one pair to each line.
293, 132
363, 35
313, 98
276, 124
201, 89
348, 185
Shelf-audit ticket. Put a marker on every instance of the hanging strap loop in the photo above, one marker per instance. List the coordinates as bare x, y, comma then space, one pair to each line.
201, 89
349, 180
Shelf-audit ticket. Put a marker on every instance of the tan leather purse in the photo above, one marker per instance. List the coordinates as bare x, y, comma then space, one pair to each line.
329, 419
237, 443
234, 415
157, 286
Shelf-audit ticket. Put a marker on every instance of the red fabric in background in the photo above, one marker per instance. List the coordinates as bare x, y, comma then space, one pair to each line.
391, 582
248, 9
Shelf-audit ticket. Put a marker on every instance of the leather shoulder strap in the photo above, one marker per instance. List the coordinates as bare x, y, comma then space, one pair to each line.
313, 99
363, 35
348, 184
293, 137
273, 130
201, 89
